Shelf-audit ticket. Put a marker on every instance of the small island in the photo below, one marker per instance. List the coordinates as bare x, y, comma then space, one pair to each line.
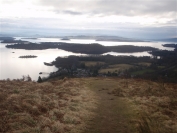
28, 56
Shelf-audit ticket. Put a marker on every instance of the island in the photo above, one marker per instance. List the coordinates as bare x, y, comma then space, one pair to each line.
28, 56
93, 48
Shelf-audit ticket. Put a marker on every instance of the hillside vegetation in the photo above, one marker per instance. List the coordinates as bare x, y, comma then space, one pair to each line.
134, 106
50, 107
88, 105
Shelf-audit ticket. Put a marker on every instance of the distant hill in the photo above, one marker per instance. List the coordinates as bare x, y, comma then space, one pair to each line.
6, 38
105, 38
168, 40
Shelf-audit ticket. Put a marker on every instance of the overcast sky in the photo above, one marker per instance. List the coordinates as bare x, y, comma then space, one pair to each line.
126, 18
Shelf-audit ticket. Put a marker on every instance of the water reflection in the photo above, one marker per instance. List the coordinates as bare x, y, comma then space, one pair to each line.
137, 54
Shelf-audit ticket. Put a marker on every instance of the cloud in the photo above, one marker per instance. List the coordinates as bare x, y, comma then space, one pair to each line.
71, 12
59, 27
159, 9
129, 17
143, 12
115, 7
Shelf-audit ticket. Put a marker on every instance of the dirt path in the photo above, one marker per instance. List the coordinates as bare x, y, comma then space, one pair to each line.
113, 114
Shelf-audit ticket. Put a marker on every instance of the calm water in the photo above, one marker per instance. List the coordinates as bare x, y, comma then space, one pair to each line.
13, 67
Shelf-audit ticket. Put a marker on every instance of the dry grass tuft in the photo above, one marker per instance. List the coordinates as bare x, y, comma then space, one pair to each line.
63, 106
156, 102
50, 107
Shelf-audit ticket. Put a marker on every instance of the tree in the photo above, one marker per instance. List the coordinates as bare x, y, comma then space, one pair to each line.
28, 78
39, 79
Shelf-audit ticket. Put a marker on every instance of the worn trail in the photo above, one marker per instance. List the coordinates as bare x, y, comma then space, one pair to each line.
113, 114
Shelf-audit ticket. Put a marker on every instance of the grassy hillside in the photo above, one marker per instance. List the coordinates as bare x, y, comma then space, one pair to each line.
88, 105
143, 106
50, 107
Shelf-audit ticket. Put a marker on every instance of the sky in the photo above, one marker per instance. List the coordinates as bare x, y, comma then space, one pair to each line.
125, 18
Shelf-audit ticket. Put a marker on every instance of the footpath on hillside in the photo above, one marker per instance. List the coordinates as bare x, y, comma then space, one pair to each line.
113, 114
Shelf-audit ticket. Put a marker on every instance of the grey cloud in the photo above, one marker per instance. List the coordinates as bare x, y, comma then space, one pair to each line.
152, 8
115, 7
71, 12
57, 26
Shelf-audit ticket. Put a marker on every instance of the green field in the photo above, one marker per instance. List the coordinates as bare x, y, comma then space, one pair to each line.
92, 63
115, 68
144, 63
140, 72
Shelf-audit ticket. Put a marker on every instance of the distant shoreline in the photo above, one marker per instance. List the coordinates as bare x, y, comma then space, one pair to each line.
30, 38
118, 40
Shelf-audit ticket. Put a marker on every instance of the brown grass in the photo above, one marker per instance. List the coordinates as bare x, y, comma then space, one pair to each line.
155, 103
66, 105
50, 107
144, 63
